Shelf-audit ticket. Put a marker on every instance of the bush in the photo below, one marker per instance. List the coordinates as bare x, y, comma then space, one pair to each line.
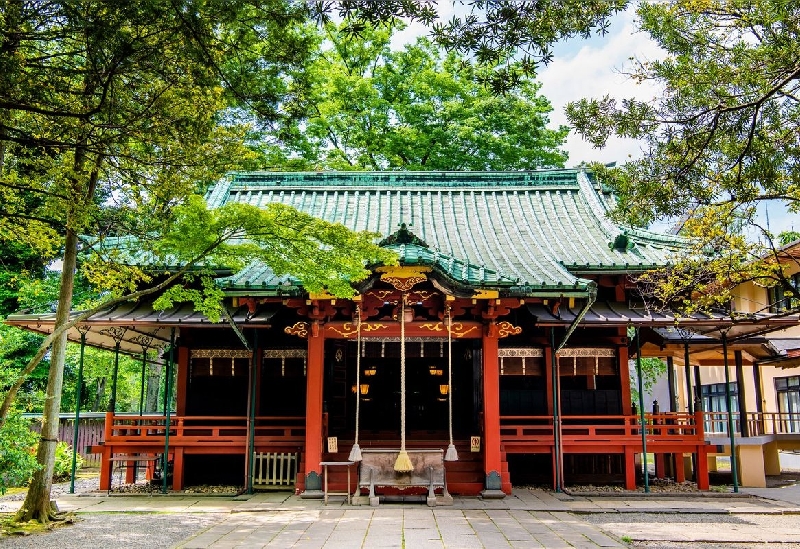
17, 452
63, 467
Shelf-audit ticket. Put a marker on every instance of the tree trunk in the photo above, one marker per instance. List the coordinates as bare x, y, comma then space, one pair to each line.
37, 504
99, 395
153, 387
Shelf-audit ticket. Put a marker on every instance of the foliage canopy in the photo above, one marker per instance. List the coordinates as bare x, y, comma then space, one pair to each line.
416, 109
722, 138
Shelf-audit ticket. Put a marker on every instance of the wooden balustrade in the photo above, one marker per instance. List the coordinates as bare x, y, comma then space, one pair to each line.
199, 430
130, 437
666, 427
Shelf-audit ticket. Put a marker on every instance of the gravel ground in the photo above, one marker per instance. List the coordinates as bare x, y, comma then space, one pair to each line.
111, 530
118, 530
88, 482
610, 522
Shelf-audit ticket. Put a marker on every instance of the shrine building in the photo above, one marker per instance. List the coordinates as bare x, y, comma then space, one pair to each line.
501, 340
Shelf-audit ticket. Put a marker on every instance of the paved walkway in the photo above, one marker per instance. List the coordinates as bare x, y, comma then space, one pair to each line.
389, 526
528, 518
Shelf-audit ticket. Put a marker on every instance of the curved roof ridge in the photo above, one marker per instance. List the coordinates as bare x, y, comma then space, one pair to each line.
597, 207
645, 234
407, 179
217, 195
415, 254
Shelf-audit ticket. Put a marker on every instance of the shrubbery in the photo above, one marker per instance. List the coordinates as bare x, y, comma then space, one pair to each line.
17, 452
18, 445
63, 467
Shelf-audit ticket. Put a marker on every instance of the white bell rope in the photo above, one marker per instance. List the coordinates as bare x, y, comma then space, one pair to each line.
403, 463
451, 454
355, 452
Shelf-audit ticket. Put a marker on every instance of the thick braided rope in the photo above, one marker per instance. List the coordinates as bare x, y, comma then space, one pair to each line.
358, 369
402, 372
450, 371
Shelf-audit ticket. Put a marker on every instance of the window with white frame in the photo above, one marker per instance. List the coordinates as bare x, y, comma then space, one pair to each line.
787, 390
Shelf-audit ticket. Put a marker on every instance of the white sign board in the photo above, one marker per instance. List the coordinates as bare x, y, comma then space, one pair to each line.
475, 444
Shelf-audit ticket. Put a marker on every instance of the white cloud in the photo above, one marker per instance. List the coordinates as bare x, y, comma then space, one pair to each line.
595, 70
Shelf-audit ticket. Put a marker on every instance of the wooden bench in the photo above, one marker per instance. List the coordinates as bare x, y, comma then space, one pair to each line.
127, 462
377, 470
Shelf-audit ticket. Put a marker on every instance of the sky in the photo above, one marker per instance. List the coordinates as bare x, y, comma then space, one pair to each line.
593, 68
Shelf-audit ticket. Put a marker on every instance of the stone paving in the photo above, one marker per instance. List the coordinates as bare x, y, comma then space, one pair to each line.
388, 526
527, 518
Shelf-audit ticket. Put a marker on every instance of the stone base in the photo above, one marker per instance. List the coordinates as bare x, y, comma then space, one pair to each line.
431, 501
312, 494
360, 500
374, 501
445, 499
493, 494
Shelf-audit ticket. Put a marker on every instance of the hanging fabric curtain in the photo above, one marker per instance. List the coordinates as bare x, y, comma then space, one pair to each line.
403, 462
355, 452
451, 454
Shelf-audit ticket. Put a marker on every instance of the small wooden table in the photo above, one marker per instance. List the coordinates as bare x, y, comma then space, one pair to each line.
123, 461
346, 493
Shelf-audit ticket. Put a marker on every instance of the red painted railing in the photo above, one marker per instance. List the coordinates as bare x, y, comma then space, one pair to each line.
667, 427
200, 430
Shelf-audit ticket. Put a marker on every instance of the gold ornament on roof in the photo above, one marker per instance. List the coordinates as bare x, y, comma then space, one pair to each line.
505, 329
299, 329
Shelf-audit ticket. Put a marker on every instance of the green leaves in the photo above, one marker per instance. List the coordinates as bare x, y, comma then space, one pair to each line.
723, 136
17, 455
419, 109
726, 125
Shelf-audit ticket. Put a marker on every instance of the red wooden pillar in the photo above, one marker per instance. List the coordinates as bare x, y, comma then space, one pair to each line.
182, 381
701, 474
105, 469
701, 460
660, 465
108, 452
680, 473
130, 472
313, 450
177, 468
630, 468
492, 459
625, 380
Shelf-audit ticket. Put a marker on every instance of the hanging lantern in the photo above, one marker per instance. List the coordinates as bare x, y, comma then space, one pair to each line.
434, 371
371, 371
444, 389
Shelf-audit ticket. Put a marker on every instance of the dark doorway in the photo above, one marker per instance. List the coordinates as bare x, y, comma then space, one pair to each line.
217, 386
426, 390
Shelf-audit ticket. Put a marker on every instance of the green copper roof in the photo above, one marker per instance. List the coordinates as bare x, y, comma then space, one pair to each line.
530, 230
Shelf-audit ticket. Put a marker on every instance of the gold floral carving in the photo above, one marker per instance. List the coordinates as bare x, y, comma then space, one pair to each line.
459, 331
380, 294
422, 295
505, 329
300, 329
437, 327
350, 329
403, 284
